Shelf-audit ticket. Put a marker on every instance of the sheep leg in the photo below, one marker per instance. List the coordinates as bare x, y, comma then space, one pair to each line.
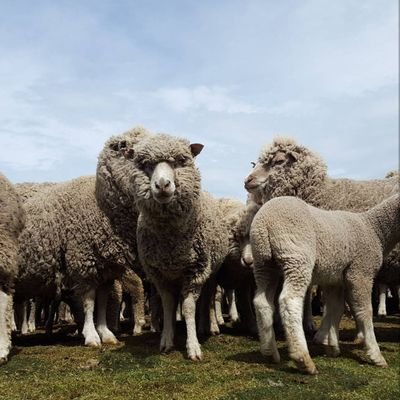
169, 303
155, 310
189, 313
6, 310
32, 314
138, 305
92, 338
212, 288
382, 299
218, 305
308, 322
264, 305
359, 298
233, 313
24, 326
105, 334
291, 302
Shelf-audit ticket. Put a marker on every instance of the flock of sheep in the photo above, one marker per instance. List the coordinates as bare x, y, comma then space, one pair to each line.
144, 219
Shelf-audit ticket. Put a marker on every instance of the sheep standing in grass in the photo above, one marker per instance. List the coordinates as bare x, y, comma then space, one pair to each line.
337, 249
12, 218
71, 246
182, 239
285, 168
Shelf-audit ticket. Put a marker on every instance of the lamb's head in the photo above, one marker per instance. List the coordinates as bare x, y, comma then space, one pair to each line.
166, 173
285, 168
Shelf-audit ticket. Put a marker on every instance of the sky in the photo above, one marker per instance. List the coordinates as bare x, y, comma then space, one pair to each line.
230, 74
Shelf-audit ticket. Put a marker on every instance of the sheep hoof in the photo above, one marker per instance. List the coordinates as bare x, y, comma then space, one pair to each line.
166, 349
3, 360
111, 340
196, 357
332, 351
92, 343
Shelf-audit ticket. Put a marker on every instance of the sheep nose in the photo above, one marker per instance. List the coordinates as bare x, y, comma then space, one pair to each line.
248, 181
163, 184
247, 261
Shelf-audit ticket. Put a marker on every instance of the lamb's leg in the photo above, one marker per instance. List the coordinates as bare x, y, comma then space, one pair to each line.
105, 334
382, 299
334, 298
155, 310
291, 302
308, 322
179, 312
92, 338
5, 325
32, 314
233, 313
264, 305
189, 313
169, 303
359, 298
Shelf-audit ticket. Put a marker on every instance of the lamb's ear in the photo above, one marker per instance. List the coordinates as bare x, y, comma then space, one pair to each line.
122, 148
128, 153
196, 149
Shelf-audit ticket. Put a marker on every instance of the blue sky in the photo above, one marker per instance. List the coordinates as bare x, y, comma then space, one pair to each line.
230, 74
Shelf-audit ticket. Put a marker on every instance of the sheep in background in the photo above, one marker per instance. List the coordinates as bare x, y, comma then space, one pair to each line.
12, 219
70, 245
181, 236
337, 249
131, 284
285, 168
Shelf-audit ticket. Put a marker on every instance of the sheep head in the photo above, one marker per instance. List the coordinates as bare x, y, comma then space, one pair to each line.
166, 173
285, 168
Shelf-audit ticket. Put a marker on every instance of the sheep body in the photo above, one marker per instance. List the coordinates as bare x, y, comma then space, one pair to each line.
336, 249
12, 220
182, 241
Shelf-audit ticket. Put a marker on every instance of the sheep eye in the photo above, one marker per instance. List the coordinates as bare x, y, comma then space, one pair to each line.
279, 162
181, 160
253, 164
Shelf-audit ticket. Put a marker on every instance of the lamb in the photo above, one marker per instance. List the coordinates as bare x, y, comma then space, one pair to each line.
337, 249
285, 168
182, 238
70, 245
12, 219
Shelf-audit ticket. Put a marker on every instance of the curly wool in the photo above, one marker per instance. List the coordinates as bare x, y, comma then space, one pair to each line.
27, 190
114, 187
68, 243
184, 237
12, 220
306, 177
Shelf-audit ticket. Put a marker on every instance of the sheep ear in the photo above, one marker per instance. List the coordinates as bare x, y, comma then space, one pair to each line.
128, 153
196, 149
293, 156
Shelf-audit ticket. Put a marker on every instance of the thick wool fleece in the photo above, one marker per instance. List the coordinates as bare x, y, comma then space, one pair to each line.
68, 243
333, 248
27, 190
304, 174
12, 219
180, 243
184, 240
114, 183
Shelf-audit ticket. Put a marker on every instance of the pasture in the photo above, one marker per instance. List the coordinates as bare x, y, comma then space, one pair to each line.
60, 368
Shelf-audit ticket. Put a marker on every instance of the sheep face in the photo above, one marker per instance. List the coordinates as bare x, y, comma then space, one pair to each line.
165, 172
257, 180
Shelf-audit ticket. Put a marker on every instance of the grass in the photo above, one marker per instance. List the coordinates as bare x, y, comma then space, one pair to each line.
61, 368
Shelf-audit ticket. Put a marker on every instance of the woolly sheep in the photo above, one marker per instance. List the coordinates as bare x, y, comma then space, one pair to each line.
12, 219
338, 250
182, 239
71, 245
285, 168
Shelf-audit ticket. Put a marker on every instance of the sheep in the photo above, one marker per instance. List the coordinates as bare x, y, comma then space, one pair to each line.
181, 234
130, 283
236, 273
339, 250
285, 168
71, 245
12, 220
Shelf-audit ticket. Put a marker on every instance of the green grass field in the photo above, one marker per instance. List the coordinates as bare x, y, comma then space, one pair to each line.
61, 368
